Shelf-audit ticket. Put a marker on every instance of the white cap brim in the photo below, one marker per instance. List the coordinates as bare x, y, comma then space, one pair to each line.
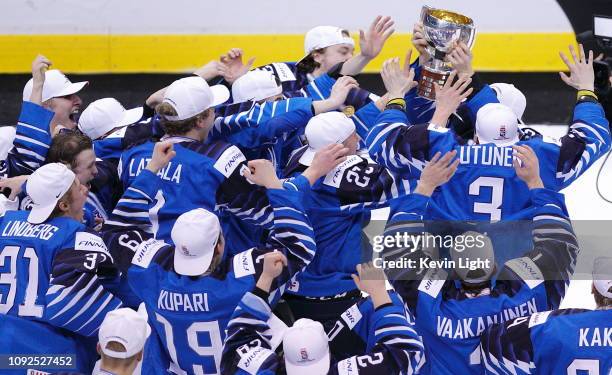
72, 89
220, 95
316, 367
40, 213
131, 116
191, 266
307, 156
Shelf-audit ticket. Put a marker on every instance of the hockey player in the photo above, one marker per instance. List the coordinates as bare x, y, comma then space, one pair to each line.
196, 271
49, 99
52, 269
248, 349
326, 47
453, 308
569, 341
485, 182
339, 207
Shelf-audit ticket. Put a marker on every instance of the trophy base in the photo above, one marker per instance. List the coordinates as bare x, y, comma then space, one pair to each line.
426, 83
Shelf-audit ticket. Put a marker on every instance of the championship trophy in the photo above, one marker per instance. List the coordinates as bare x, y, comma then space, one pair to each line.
442, 29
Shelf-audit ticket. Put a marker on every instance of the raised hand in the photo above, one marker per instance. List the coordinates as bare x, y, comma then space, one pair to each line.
232, 66
461, 59
420, 43
273, 264
527, 166
449, 97
211, 70
341, 88
437, 172
371, 280
398, 81
324, 161
163, 152
13, 185
39, 66
261, 172
372, 41
582, 75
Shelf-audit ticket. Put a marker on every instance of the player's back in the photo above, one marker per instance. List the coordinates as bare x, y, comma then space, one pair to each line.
189, 315
570, 341
451, 324
189, 181
485, 187
26, 257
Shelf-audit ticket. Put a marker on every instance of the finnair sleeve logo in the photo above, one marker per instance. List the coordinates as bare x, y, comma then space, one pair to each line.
229, 161
252, 360
352, 316
334, 177
283, 72
89, 242
243, 264
527, 270
146, 251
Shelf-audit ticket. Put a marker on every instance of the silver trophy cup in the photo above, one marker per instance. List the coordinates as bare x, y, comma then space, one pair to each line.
442, 29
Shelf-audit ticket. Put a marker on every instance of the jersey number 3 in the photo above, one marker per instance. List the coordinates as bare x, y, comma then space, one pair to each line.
492, 208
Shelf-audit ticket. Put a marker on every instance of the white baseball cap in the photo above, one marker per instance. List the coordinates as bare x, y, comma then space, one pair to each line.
474, 252
255, 85
127, 327
191, 96
306, 348
56, 84
195, 234
104, 115
510, 96
602, 269
325, 36
498, 124
45, 187
323, 130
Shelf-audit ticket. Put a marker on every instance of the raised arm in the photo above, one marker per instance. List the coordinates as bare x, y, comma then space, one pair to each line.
248, 347
371, 43
406, 221
397, 348
555, 247
76, 299
403, 148
33, 136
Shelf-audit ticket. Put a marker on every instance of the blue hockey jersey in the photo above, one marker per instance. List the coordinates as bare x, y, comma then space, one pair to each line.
200, 176
189, 314
485, 186
51, 281
396, 349
339, 207
571, 341
451, 322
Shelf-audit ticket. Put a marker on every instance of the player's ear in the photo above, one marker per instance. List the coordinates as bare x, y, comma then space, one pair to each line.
98, 349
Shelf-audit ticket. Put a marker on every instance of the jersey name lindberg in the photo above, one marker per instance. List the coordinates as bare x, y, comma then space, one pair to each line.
25, 229
486, 155
170, 173
473, 327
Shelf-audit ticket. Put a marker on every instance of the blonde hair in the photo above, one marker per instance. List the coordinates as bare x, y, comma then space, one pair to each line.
178, 127
112, 362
